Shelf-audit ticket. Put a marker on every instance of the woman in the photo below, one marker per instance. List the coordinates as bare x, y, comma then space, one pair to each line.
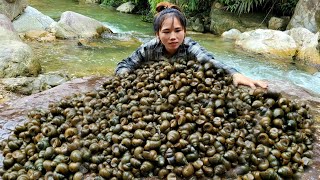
171, 42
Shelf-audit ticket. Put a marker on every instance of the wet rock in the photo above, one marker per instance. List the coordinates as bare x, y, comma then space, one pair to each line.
16, 59
5, 23
89, 1
222, 21
32, 19
17, 109
12, 8
198, 25
40, 35
269, 43
307, 43
306, 15
31, 85
277, 23
231, 34
74, 25
7, 31
126, 7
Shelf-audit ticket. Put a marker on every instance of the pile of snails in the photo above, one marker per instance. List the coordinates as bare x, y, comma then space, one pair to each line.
181, 119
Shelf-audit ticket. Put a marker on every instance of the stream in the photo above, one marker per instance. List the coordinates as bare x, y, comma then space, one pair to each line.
66, 56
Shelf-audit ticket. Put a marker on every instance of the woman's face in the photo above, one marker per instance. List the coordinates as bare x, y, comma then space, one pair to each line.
171, 34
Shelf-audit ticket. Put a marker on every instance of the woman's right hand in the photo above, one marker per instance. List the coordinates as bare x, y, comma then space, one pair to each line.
241, 79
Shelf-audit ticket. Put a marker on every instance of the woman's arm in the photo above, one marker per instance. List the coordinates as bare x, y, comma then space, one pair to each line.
136, 58
202, 55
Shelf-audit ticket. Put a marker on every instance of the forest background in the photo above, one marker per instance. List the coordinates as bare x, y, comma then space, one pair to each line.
194, 7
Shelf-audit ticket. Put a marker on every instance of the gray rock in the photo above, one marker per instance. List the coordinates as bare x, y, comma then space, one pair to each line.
16, 59
231, 34
5, 22
269, 43
18, 109
222, 21
198, 25
7, 31
32, 19
126, 7
32, 85
74, 25
53, 79
301, 36
23, 85
306, 15
89, 1
12, 8
307, 43
277, 23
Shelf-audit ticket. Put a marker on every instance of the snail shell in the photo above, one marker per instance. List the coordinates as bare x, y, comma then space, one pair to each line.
188, 170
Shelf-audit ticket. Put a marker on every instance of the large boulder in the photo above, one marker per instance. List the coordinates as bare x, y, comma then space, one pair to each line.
32, 19
126, 7
32, 85
301, 36
307, 15
7, 31
12, 8
5, 22
232, 34
307, 43
16, 59
198, 25
277, 23
222, 21
74, 25
269, 43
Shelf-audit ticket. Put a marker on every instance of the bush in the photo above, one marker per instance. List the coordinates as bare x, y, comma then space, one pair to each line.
113, 3
278, 7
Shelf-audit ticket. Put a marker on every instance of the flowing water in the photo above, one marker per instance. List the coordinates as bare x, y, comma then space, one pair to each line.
101, 57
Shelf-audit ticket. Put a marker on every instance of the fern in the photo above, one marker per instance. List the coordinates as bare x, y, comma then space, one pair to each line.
246, 6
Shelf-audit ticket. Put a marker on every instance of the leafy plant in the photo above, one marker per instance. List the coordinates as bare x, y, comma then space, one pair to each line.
283, 7
195, 6
113, 3
286, 7
240, 7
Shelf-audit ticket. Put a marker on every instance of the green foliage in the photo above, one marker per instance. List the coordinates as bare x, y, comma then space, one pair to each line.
281, 7
285, 7
243, 6
116, 3
153, 5
195, 6
113, 3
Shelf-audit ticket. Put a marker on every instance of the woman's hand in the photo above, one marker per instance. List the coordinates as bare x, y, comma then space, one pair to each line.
241, 79
123, 72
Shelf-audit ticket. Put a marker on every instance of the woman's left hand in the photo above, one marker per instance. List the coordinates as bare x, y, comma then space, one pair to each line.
241, 79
